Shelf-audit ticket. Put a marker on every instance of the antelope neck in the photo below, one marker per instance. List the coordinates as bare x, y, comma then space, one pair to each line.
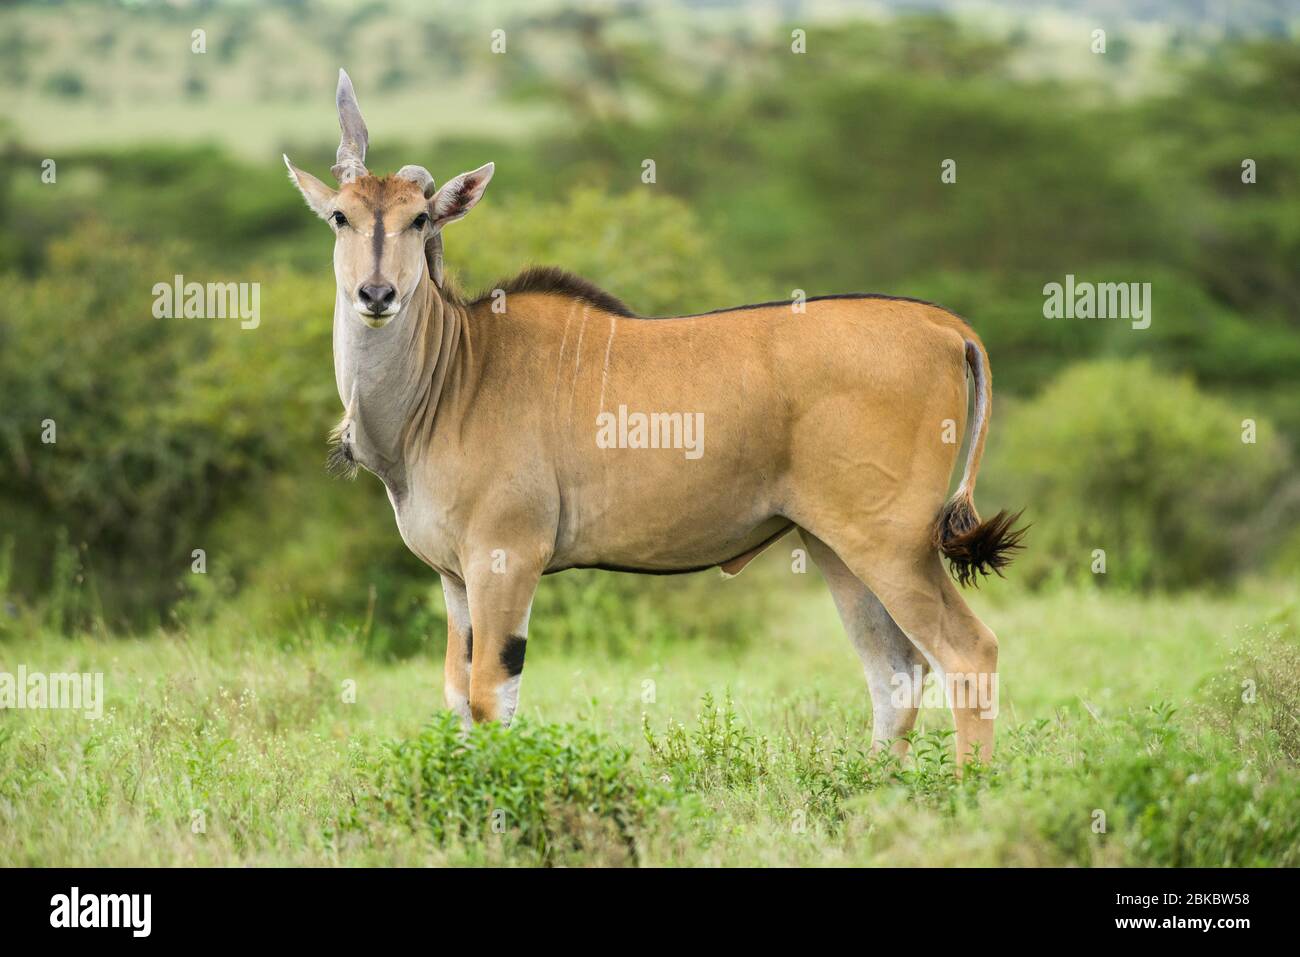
391, 380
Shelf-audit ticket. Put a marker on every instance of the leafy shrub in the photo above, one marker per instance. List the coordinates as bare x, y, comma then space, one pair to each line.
1168, 796
548, 790
151, 439
1115, 455
719, 752
1256, 699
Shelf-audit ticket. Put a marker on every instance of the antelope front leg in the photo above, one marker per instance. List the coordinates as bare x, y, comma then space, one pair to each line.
500, 597
460, 644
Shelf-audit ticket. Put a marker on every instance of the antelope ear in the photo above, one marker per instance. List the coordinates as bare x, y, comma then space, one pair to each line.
459, 195
319, 196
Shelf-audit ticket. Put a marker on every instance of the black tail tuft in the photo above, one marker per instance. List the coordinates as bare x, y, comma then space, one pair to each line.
974, 548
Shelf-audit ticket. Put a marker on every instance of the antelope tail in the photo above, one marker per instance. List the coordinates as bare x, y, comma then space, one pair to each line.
974, 548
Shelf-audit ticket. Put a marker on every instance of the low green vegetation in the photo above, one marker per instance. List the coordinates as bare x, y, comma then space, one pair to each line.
553, 792
1132, 731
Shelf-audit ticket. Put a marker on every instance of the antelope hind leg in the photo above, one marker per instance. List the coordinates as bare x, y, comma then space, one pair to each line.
888, 657
962, 649
907, 575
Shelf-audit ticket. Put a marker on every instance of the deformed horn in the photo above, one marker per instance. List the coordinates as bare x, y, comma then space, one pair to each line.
351, 155
421, 177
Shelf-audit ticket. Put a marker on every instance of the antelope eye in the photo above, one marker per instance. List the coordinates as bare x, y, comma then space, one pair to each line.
420, 221
339, 219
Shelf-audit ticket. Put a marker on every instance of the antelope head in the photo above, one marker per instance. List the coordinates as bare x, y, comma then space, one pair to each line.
387, 230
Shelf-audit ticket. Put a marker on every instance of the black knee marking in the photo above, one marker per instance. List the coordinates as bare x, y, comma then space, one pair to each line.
512, 655
469, 645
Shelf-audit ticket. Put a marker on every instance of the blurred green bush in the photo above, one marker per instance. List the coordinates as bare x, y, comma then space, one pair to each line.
1117, 456
158, 425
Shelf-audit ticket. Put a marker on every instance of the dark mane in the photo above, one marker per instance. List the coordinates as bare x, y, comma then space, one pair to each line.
837, 295
551, 279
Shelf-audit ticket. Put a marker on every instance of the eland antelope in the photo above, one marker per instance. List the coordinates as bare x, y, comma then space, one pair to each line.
491, 429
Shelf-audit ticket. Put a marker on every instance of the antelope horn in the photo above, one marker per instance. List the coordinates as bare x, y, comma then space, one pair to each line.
351, 155
433, 246
420, 176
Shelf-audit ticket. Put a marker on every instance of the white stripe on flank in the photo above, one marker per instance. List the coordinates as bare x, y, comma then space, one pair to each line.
604, 372
577, 362
559, 363
577, 351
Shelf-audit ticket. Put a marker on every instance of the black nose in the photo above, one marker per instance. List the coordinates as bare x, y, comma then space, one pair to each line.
376, 297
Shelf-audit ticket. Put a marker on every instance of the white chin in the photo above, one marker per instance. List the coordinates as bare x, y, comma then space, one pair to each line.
373, 321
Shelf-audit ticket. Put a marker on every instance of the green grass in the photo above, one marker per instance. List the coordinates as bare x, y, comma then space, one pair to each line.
685, 754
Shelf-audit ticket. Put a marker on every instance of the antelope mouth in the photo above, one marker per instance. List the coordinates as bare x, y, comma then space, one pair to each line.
376, 320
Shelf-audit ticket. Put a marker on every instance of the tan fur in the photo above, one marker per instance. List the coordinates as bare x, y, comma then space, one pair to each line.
831, 420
